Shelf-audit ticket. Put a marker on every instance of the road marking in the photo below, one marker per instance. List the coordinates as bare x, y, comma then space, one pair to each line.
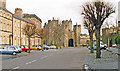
16, 68
31, 62
44, 57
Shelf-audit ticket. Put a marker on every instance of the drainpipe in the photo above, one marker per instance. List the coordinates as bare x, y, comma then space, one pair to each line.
12, 29
20, 32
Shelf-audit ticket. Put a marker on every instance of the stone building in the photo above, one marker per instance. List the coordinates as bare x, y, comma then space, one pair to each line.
38, 22
109, 34
11, 26
62, 34
5, 25
84, 39
32, 17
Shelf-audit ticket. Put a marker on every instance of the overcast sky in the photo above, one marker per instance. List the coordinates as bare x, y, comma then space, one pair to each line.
47, 9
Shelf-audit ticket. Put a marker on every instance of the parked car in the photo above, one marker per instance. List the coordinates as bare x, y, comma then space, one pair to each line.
9, 50
36, 47
1, 49
24, 48
52, 47
45, 47
114, 45
18, 48
101, 46
105, 45
110, 45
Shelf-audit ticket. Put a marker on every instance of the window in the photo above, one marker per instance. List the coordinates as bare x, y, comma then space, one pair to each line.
4, 14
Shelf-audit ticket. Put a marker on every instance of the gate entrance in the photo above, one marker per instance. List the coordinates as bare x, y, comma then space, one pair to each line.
70, 43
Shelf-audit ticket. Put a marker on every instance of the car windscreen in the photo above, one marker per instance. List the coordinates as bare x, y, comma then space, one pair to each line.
11, 47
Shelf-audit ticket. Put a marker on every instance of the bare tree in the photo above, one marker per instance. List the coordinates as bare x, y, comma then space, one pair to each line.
89, 25
29, 30
97, 12
58, 35
42, 33
108, 26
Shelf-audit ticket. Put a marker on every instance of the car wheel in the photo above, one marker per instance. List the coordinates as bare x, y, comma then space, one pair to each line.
38, 49
14, 53
104, 48
46, 48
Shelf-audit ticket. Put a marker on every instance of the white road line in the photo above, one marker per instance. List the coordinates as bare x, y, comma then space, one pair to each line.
31, 62
44, 57
16, 68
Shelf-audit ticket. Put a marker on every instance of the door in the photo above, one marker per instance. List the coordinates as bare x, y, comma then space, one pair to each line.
70, 43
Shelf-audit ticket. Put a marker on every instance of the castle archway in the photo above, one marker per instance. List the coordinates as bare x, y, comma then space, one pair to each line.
70, 43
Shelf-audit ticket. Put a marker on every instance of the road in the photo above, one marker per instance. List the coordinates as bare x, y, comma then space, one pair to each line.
66, 58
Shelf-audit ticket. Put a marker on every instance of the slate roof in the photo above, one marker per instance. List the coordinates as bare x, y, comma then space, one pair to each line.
15, 16
31, 16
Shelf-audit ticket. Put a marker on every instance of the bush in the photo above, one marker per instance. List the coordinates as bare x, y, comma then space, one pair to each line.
117, 39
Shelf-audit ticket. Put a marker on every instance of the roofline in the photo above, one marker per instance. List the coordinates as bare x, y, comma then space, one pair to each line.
32, 15
5, 10
15, 16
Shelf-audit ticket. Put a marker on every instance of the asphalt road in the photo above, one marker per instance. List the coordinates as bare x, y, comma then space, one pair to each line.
66, 58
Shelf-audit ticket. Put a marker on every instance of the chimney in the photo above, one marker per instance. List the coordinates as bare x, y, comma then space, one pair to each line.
3, 3
18, 12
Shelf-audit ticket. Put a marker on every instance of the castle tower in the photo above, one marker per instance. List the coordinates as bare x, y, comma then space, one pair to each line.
77, 31
70, 25
52, 26
3, 3
18, 12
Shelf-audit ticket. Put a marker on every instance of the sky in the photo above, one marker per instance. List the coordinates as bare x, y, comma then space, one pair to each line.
59, 9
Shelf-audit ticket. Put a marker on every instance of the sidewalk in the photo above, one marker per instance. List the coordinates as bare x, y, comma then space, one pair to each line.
108, 60
114, 50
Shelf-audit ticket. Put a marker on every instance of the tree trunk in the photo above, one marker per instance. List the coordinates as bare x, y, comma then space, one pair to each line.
42, 44
98, 51
91, 42
108, 42
29, 44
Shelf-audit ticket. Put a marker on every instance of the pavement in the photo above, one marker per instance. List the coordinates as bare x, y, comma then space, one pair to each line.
66, 58
114, 50
108, 60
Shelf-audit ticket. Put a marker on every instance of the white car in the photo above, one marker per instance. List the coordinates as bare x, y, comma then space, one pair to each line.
9, 50
18, 48
52, 47
114, 45
102, 46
